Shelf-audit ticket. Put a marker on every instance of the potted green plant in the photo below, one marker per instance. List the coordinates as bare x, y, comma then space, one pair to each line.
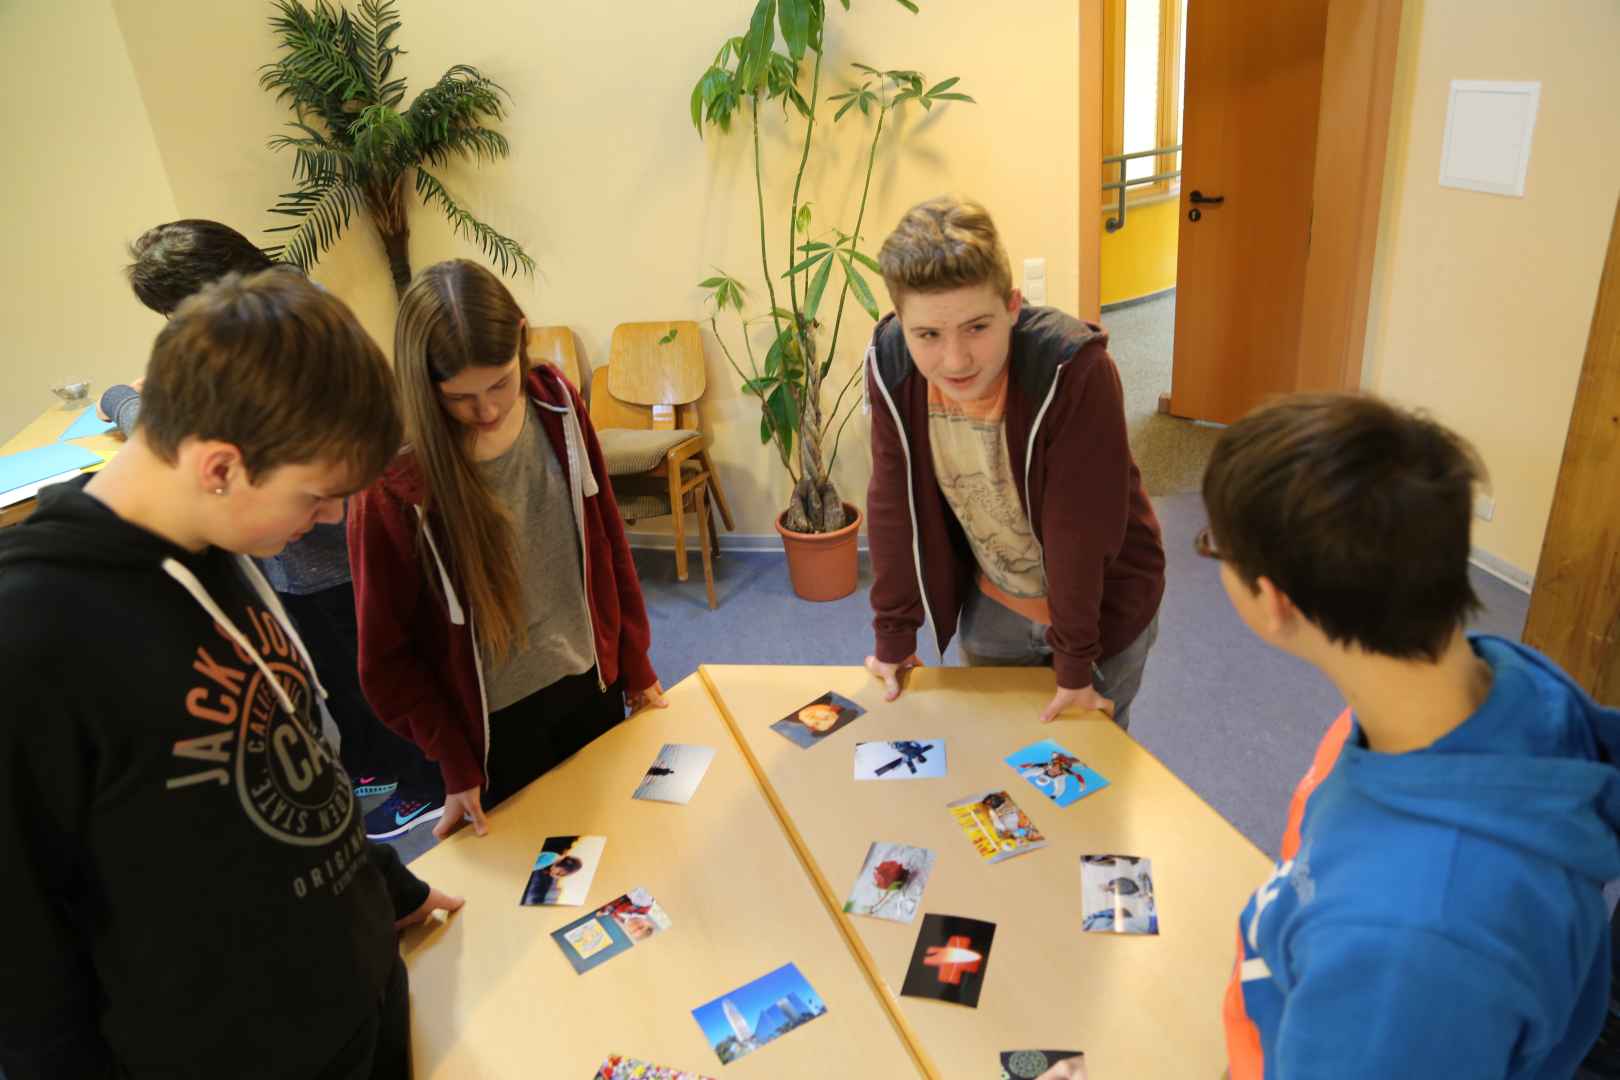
353, 145
748, 74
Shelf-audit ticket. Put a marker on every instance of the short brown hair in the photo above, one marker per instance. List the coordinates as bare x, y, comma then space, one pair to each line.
279, 368
177, 258
944, 243
1358, 511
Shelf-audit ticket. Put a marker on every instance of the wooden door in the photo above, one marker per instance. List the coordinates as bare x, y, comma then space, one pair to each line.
1253, 95
1575, 606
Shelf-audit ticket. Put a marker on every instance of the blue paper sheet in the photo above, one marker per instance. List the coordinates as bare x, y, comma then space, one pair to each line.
32, 466
86, 425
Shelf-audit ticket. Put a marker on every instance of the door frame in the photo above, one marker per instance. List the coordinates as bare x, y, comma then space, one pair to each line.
1358, 86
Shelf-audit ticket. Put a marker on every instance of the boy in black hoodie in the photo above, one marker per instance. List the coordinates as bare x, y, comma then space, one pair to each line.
187, 883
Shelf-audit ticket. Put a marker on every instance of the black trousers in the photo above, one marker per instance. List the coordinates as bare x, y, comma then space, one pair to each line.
381, 1049
531, 737
326, 621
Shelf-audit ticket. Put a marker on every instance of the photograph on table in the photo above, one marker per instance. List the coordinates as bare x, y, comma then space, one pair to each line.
949, 960
891, 882
611, 929
995, 826
738, 1023
901, 759
1055, 772
563, 870
1116, 892
811, 724
674, 775
1043, 1065
619, 1067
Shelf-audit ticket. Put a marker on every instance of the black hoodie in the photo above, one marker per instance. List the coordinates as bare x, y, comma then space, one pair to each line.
188, 891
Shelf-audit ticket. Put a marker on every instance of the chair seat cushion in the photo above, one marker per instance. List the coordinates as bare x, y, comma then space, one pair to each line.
628, 452
637, 506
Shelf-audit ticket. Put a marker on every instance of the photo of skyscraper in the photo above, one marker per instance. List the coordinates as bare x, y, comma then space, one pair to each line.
738, 1023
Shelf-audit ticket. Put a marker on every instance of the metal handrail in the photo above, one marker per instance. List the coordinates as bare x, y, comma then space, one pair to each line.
1116, 223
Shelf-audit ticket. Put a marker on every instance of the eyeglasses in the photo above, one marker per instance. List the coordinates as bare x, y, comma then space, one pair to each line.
1204, 544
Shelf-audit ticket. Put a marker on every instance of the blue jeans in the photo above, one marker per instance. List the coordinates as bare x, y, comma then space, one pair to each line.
992, 634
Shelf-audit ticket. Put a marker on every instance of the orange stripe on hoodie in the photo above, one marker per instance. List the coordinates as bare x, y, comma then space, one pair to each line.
1243, 1050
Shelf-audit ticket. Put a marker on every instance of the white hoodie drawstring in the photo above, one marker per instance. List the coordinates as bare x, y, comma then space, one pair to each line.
175, 569
457, 616
273, 602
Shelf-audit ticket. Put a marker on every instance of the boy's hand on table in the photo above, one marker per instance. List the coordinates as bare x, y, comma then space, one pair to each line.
436, 901
459, 805
1084, 698
892, 676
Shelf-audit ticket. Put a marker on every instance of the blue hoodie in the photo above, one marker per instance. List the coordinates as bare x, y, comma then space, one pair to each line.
1440, 913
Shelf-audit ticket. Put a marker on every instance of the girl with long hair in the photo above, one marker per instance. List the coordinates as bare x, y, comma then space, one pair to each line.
502, 626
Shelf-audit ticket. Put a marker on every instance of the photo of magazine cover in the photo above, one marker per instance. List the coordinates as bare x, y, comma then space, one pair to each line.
1116, 892
995, 826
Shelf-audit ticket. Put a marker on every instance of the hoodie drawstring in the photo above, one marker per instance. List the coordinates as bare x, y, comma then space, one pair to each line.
273, 602
189, 582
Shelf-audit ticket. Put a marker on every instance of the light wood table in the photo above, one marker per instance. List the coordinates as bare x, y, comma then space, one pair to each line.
493, 996
1138, 1006
42, 431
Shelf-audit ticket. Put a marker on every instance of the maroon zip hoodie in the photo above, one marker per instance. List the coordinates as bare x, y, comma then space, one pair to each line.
1080, 488
419, 663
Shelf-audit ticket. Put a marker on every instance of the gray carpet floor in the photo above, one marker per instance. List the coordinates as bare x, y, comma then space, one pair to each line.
1171, 453
1236, 720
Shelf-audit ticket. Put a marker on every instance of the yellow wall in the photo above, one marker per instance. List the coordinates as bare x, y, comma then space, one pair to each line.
1481, 303
83, 179
611, 190
1140, 259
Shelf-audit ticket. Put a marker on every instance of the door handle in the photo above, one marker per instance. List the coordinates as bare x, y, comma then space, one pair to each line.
1198, 197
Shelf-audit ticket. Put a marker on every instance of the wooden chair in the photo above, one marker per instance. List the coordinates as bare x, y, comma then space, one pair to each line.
554, 345
644, 408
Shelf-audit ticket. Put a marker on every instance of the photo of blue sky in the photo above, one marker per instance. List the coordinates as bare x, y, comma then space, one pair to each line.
753, 999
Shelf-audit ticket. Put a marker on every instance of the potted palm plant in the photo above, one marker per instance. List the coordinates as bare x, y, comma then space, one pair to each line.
749, 74
354, 146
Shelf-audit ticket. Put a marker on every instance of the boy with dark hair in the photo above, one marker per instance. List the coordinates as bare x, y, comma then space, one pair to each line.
185, 862
1003, 493
173, 261
1438, 907
311, 576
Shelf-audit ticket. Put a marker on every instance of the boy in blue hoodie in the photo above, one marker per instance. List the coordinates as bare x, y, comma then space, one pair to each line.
1438, 908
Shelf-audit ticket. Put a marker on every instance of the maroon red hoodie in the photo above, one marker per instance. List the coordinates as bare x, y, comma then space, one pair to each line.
1082, 492
420, 665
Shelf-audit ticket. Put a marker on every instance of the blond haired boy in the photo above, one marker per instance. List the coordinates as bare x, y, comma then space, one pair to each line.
1004, 501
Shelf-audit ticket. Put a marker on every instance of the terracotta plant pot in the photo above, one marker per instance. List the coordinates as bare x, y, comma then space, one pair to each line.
823, 566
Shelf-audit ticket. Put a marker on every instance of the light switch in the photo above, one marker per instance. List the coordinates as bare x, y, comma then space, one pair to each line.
1488, 131
1034, 289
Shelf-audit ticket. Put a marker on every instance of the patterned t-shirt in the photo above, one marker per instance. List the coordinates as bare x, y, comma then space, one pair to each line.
974, 472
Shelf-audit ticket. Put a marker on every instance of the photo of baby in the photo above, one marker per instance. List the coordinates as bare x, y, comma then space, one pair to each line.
806, 726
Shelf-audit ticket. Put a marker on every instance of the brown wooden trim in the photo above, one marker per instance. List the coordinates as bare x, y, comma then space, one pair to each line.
1089, 305
1575, 605
1358, 85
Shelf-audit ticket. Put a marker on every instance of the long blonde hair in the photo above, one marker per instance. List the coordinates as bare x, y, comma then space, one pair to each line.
457, 315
